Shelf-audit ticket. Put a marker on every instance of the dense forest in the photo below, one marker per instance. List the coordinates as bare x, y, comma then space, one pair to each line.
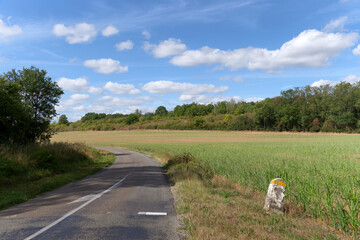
309, 109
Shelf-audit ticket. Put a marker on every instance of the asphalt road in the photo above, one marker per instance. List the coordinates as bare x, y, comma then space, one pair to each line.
128, 200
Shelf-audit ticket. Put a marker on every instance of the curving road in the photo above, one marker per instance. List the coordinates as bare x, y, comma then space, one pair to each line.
129, 200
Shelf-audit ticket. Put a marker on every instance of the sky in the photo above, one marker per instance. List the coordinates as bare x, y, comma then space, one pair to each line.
119, 56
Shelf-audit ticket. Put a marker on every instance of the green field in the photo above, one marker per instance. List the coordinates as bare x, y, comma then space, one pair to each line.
322, 171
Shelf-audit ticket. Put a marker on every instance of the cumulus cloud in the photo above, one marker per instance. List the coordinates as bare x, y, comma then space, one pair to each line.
74, 99
109, 30
322, 82
78, 33
105, 65
8, 31
203, 99
95, 90
353, 79
311, 48
117, 88
79, 97
165, 48
336, 25
356, 51
163, 87
77, 85
126, 45
73, 85
146, 34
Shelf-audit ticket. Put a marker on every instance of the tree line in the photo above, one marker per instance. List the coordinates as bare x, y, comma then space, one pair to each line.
310, 109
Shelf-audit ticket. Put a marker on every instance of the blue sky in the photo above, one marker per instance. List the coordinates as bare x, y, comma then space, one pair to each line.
118, 56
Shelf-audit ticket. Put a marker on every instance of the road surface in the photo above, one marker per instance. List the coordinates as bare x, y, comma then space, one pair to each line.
129, 200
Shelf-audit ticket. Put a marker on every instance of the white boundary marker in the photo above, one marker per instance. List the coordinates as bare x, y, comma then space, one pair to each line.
153, 213
96, 196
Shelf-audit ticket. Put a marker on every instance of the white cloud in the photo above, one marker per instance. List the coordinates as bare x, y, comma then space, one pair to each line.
356, 51
126, 45
78, 85
74, 99
353, 79
95, 90
237, 79
117, 88
146, 34
311, 48
80, 108
73, 85
116, 101
105, 65
163, 87
253, 99
79, 33
8, 31
336, 25
79, 97
323, 82
203, 99
165, 48
109, 30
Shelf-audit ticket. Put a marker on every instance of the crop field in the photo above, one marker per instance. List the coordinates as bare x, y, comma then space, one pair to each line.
322, 171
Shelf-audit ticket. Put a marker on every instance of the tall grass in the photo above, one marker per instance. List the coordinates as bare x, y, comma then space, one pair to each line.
26, 171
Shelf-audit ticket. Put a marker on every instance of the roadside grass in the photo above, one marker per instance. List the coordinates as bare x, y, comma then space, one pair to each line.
26, 171
322, 171
215, 208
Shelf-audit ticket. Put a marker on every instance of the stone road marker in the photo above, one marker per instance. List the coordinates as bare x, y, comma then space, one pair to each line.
275, 195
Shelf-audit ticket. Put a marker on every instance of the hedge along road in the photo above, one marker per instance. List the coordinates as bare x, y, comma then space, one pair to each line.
129, 200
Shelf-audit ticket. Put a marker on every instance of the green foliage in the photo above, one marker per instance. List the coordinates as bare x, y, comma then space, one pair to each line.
28, 170
63, 120
28, 99
132, 118
93, 116
14, 114
199, 122
161, 111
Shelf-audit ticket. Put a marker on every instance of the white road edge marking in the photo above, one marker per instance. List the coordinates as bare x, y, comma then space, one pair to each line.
153, 213
96, 196
83, 199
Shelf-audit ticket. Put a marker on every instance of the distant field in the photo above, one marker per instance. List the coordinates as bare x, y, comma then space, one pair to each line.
322, 171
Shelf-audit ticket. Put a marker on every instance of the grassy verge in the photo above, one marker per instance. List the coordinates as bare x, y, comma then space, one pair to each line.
26, 171
215, 208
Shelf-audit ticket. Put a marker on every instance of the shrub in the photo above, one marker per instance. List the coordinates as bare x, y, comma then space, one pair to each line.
132, 118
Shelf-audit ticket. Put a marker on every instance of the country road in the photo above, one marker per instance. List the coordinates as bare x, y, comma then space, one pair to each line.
129, 200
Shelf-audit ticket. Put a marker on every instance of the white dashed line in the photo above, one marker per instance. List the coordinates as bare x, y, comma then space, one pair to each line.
153, 213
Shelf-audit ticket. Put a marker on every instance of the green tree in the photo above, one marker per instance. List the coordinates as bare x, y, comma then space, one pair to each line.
63, 120
14, 114
161, 111
38, 95
132, 118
